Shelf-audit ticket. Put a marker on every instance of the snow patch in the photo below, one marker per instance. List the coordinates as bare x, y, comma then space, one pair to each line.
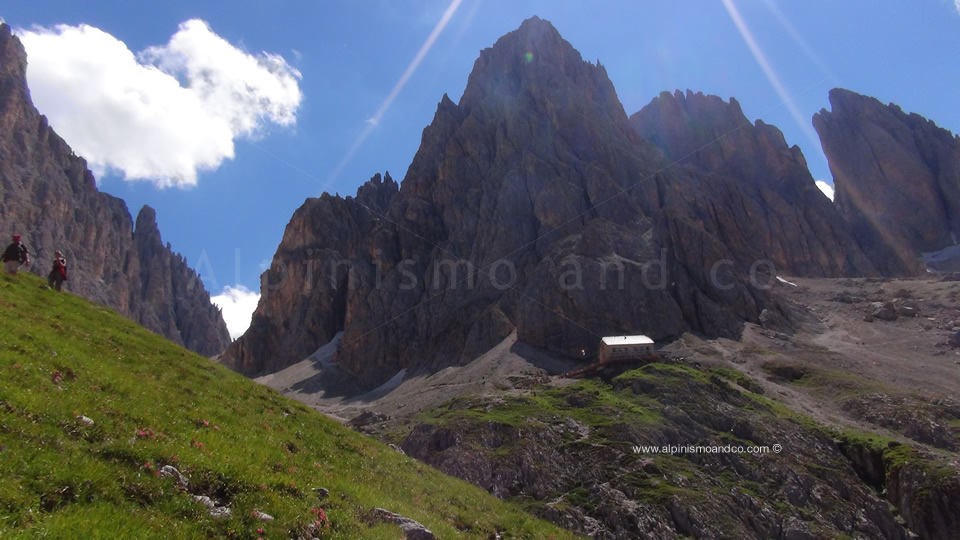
383, 389
324, 355
321, 361
826, 188
944, 260
781, 280
388, 386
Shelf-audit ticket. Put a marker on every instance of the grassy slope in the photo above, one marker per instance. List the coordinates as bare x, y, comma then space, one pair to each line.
156, 404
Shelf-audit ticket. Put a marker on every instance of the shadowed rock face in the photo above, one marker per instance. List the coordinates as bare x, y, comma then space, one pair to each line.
768, 203
51, 198
897, 178
573, 224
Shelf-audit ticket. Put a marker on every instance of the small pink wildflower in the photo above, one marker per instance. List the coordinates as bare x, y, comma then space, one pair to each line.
321, 516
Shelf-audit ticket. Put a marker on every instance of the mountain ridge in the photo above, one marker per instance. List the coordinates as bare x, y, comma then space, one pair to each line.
537, 168
799, 229
51, 199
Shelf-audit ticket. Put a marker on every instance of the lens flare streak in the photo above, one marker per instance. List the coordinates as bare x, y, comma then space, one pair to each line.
373, 121
769, 72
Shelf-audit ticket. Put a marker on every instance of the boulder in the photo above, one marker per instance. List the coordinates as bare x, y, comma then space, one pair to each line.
168, 471
884, 311
412, 530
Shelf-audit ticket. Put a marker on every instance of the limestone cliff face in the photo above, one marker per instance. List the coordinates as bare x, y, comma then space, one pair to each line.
897, 178
51, 198
534, 205
767, 202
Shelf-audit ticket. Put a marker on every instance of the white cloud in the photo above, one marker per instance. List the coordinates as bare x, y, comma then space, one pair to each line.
163, 114
826, 188
238, 304
956, 4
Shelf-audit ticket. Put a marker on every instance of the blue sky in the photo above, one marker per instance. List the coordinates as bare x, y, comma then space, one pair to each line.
290, 99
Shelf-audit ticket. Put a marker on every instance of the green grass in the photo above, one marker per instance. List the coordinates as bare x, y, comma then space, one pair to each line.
833, 384
739, 378
155, 404
664, 374
601, 406
590, 401
895, 454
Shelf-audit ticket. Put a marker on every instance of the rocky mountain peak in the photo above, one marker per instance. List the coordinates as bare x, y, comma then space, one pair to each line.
525, 203
776, 197
666, 119
535, 171
146, 223
897, 178
535, 66
13, 60
714, 134
377, 192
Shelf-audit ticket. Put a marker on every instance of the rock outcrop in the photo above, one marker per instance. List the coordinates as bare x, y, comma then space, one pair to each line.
649, 456
51, 198
897, 178
533, 205
171, 299
304, 295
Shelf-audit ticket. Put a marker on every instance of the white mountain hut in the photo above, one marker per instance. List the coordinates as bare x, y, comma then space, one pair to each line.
618, 348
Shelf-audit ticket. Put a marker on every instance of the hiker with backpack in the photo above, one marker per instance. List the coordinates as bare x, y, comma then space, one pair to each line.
59, 272
15, 255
